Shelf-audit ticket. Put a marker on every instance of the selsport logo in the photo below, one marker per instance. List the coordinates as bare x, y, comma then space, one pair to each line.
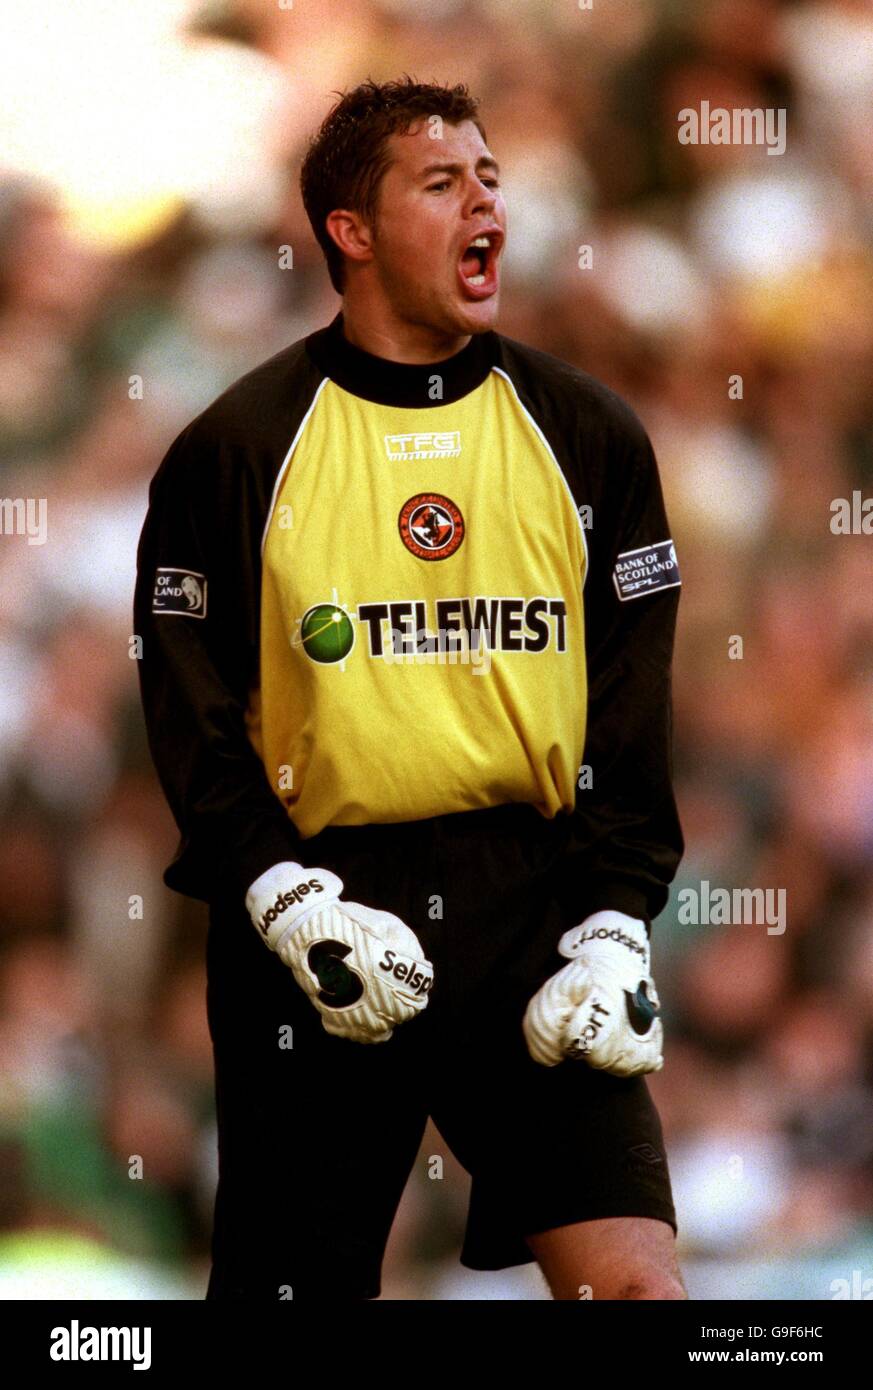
414, 974
284, 901
429, 444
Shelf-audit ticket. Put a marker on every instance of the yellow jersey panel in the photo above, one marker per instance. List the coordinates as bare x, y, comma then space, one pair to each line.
422, 633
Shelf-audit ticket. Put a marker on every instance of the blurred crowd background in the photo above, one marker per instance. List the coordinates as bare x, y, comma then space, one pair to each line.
149, 159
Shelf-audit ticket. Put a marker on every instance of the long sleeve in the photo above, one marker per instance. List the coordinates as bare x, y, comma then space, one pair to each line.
627, 840
196, 610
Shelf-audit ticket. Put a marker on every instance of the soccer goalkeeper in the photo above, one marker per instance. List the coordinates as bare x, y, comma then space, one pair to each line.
407, 598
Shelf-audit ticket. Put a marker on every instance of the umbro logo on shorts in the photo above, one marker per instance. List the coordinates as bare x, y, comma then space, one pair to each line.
647, 1153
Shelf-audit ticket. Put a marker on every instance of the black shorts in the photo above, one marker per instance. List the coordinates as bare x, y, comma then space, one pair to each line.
317, 1139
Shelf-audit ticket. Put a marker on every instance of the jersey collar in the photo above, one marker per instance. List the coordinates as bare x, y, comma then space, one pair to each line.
385, 382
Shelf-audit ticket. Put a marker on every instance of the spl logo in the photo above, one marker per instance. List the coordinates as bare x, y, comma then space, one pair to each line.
431, 526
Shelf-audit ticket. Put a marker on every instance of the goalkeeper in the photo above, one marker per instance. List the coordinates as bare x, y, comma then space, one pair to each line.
407, 599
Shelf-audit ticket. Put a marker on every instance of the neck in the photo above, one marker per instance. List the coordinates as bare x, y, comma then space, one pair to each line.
411, 385
375, 328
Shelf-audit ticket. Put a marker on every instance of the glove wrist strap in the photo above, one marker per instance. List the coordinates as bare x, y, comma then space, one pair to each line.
608, 932
283, 897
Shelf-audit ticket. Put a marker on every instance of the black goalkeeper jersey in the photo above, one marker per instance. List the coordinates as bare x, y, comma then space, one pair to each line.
376, 592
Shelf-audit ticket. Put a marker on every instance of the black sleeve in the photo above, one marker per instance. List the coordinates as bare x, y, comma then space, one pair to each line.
627, 841
198, 563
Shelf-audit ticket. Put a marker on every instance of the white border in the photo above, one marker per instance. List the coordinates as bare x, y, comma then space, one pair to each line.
294, 442
551, 453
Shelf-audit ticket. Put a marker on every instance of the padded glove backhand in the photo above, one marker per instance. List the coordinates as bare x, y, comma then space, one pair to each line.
603, 1007
363, 969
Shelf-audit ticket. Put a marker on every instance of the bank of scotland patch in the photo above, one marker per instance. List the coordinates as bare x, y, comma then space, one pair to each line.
642, 571
180, 591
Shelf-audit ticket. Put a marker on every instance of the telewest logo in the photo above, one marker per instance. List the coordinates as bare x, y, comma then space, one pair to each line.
430, 444
483, 621
406, 969
286, 900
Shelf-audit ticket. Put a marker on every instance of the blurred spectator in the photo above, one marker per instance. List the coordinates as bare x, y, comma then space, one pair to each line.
729, 298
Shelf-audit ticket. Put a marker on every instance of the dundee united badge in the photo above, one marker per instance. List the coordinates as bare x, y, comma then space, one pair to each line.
431, 526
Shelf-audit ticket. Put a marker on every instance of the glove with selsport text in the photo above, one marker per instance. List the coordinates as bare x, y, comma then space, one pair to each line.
603, 1007
363, 969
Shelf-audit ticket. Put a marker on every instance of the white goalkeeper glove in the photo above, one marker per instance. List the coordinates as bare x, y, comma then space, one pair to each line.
363, 969
603, 1007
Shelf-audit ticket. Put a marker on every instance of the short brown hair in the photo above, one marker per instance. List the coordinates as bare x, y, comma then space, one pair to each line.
347, 158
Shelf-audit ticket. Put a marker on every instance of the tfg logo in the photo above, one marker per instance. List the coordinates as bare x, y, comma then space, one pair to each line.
429, 444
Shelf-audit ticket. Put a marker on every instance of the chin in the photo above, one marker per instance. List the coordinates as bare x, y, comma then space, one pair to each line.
477, 316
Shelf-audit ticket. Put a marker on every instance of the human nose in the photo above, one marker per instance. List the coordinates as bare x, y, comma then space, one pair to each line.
481, 198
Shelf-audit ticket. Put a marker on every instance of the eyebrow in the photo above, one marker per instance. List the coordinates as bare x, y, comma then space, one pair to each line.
484, 161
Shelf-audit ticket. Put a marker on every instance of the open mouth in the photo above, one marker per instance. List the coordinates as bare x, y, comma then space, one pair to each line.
477, 268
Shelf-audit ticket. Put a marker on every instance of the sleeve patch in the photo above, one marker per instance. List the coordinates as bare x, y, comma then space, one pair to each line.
642, 571
180, 591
